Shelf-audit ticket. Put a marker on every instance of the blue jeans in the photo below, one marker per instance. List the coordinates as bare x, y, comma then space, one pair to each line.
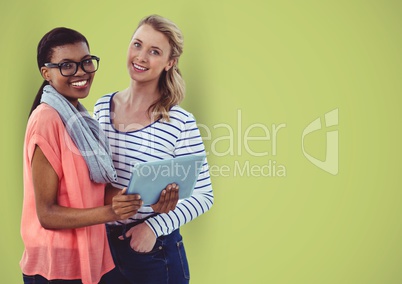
166, 263
37, 279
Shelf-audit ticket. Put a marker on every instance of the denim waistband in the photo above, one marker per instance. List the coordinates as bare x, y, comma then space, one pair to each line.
124, 227
115, 231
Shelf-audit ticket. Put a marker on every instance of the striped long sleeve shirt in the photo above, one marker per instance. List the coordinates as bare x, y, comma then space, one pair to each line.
159, 140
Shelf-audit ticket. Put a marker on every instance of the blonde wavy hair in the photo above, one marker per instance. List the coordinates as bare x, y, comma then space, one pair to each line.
171, 84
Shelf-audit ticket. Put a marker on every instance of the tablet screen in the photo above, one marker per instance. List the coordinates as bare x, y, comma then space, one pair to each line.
149, 178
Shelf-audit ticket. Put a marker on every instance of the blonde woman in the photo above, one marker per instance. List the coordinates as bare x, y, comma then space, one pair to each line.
145, 123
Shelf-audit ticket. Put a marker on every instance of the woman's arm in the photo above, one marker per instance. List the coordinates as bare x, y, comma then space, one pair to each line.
53, 216
188, 143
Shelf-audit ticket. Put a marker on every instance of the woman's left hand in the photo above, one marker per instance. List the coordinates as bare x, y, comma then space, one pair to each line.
167, 200
142, 237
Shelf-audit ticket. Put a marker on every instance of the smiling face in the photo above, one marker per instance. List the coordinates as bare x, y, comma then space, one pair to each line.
74, 87
148, 55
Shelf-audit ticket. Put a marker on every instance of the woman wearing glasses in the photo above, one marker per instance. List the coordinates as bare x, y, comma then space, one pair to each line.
145, 123
66, 167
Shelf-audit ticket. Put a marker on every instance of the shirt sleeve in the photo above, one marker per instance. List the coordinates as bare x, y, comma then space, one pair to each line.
45, 129
188, 143
96, 111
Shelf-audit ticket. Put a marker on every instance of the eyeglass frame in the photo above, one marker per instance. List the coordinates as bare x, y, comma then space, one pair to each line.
77, 64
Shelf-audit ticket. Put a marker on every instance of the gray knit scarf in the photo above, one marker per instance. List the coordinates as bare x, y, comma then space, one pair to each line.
86, 134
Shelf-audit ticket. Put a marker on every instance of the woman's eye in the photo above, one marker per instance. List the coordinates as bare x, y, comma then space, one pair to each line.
87, 62
136, 44
68, 65
155, 52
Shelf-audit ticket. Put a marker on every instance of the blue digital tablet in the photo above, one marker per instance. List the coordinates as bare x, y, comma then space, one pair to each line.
149, 178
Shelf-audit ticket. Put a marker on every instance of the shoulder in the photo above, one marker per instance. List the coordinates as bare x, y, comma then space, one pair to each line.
45, 114
179, 113
45, 126
104, 100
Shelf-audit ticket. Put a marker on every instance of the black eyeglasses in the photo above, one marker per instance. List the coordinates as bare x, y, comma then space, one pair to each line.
69, 68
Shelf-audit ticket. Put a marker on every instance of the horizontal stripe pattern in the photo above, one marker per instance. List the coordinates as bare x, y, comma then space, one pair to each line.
160, 140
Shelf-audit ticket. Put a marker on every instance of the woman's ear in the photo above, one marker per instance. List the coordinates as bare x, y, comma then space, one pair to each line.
45, 73
171, 63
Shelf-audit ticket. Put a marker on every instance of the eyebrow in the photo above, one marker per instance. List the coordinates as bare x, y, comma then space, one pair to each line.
70, 60
137, 39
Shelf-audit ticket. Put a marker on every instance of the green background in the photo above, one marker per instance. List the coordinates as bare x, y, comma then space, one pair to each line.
250, 64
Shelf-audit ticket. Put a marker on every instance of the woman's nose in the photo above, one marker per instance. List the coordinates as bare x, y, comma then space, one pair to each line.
142, 56
80, 71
